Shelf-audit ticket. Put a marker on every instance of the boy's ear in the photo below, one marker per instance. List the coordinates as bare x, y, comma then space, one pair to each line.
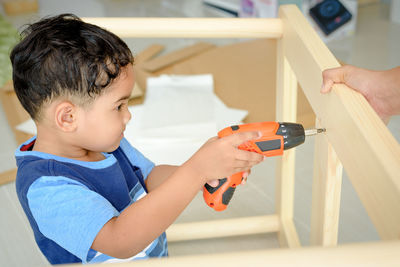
65, 116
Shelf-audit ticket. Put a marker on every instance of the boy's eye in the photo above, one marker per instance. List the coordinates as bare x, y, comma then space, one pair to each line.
122, 106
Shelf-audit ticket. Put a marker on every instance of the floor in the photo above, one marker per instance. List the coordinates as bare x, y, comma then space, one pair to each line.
374, 45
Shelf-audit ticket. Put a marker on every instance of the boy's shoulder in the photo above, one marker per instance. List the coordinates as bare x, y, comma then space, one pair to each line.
29, 169
29, 161
35, 164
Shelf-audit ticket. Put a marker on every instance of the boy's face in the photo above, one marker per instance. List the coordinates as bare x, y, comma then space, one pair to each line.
101, 126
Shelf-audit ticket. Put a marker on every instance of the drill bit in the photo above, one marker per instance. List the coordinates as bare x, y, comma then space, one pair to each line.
309, 132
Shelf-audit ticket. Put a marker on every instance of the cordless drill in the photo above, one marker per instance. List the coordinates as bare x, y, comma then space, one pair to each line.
275, 138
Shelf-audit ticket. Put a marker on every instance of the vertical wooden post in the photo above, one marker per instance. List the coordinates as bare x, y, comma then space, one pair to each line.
327, 184
286, 107
369, 152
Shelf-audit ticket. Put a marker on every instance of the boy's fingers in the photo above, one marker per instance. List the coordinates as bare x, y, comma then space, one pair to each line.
213, 183
212, 139
245, 175
242, 169
244, 166
248, 156
242, 137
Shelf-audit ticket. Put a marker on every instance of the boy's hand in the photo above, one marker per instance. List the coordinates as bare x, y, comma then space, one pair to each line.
220, 157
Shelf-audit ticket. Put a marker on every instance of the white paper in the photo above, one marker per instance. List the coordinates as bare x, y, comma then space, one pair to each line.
28, 127
167, 140
178, 99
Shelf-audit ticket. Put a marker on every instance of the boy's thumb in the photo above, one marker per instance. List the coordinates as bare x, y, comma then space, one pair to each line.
243, 137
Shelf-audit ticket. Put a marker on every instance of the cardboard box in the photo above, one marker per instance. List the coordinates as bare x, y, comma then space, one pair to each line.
18, 7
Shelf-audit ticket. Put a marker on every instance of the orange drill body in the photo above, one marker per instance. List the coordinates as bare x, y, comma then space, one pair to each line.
275, 138
269, 137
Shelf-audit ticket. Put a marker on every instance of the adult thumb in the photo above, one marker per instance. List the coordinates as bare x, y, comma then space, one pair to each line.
331, 76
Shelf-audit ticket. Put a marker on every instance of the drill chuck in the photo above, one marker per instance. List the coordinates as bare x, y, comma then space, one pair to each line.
293, 134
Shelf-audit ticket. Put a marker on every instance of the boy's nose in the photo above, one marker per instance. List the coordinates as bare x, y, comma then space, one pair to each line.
127, 116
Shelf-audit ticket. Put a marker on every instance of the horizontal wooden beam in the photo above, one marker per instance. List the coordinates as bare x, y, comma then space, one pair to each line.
362, 254
223, 228
368, 151
191, 27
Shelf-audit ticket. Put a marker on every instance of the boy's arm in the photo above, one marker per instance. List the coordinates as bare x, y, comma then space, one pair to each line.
143, 221
158, 175
161, 172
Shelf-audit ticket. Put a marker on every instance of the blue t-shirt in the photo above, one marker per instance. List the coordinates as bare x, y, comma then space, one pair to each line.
68, 201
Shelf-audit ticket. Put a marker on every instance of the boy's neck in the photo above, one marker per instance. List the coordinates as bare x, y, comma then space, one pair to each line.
51, 143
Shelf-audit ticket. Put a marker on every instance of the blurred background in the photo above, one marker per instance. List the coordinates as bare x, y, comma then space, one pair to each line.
367, 34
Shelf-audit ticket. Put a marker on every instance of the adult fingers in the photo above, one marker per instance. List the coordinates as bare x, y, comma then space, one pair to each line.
331, 76
327, 86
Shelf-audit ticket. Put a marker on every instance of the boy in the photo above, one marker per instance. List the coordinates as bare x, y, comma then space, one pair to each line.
90, 196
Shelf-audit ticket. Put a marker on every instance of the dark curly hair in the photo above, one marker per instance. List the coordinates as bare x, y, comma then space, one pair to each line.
64, 56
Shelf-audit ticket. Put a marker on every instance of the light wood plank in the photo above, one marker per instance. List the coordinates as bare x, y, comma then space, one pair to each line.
176, 56
286, 111
326, 189
148, 53
191, 27
223, 228
14, 111
368, 151
354, 255
288, 234
8, 176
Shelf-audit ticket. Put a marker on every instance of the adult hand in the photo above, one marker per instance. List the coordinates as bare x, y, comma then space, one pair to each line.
380, 88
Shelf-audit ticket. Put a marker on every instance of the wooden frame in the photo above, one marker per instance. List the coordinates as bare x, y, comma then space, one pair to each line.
354, 134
